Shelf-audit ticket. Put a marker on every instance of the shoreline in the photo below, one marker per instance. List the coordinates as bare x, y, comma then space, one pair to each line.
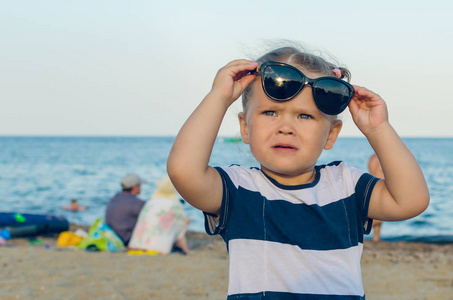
390, 270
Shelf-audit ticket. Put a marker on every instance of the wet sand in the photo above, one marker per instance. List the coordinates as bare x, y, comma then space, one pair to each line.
45, 271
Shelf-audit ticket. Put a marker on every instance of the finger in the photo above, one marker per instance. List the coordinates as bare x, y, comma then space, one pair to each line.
236, 69
353, 106
239, 72
365, 94
240, 62
241, 65
245, 81
242, 74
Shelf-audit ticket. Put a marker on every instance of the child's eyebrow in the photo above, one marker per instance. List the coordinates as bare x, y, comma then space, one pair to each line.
279, 106
268, 106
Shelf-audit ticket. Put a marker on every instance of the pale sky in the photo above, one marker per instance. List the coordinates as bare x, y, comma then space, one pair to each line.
139, 68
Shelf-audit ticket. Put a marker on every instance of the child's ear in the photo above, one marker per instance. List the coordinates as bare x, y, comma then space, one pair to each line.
243, 127
333, 134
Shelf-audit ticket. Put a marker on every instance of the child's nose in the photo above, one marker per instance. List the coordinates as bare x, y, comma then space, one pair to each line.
286, 131
286, 127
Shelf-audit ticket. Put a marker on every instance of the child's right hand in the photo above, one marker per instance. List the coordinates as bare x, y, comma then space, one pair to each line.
231, 80
368, 110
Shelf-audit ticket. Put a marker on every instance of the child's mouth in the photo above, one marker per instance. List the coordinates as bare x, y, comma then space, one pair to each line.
284, 147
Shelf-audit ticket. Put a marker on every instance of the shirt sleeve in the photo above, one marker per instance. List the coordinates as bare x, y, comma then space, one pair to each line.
364, 189
215, 224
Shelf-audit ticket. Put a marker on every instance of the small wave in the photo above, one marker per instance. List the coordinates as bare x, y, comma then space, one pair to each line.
420, 223
43, 188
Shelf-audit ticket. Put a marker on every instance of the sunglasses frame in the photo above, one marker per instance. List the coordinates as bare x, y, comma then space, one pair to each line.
306, 81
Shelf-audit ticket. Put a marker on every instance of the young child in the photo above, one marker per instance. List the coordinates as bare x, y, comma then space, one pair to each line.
294, 230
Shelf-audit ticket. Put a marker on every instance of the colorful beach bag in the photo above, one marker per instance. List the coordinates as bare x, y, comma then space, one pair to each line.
102, 238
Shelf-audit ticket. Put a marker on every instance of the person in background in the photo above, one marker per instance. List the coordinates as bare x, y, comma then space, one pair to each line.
374, 166
123, 209
74, 206
162, 223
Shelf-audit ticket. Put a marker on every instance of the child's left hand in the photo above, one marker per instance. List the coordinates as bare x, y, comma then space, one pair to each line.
368, 110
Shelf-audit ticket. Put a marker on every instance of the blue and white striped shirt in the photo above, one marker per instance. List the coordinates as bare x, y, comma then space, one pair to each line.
294, 242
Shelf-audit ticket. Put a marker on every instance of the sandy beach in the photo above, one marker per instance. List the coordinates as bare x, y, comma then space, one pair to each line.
45, 271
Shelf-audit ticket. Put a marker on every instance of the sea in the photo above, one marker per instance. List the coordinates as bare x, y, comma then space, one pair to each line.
40, 175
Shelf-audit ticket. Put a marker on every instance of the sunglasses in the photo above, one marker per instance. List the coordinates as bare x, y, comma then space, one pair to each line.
282, 82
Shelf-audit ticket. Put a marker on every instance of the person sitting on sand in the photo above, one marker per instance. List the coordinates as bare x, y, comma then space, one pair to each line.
374, 166
162, 223
74, 206
123, 209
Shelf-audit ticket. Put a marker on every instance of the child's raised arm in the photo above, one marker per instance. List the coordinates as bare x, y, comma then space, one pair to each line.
404, 193
187, 165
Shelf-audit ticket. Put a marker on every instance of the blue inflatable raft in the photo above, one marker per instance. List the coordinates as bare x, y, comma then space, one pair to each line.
21, 225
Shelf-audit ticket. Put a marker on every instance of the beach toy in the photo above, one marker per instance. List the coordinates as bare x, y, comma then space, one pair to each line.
67, 238
80, 232
34, 241
19, 218
21, 225
142, 252
23, 230
102, 238
5, 234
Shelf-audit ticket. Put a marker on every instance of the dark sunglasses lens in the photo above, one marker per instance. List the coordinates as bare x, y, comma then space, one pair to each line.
331, 96
281, 83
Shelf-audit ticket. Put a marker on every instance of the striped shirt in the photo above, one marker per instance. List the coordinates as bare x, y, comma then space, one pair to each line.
294, 242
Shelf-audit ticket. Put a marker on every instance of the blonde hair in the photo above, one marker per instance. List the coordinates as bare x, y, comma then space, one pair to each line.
298, 56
